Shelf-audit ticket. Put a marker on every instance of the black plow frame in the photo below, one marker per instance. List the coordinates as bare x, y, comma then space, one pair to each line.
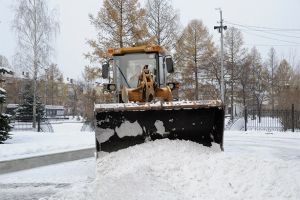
201, 123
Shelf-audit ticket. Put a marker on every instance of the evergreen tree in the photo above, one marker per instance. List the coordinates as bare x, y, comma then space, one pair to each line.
25, 110
4, 119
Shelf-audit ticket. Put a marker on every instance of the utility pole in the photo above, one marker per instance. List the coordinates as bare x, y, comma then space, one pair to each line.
220, 29
35, 67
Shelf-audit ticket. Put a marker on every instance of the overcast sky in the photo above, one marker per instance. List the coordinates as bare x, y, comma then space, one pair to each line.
75, 28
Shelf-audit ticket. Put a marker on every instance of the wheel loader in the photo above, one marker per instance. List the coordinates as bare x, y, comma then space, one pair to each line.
144, 108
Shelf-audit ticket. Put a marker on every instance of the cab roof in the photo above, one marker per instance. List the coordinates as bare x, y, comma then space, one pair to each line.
138, 49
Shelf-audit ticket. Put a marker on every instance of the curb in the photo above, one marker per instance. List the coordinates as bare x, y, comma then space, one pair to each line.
44, 160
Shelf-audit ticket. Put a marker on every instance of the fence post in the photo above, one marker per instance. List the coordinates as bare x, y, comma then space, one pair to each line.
39, 122
293, 118
246, 118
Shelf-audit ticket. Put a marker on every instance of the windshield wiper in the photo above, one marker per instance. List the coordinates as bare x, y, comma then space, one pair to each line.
123, 76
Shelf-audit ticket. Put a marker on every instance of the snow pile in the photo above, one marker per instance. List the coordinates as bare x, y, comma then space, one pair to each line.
238, 125
167, 169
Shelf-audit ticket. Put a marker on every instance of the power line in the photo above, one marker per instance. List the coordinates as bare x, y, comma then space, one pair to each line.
266, 31
264, 28
250, 30
270, 38
272, 45
278, 34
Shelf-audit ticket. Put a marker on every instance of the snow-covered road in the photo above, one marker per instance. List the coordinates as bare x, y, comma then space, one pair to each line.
253, 166
44, 182
281, 145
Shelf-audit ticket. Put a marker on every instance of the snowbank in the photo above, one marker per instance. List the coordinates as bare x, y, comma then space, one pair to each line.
167, 169
185, 170
238, 125
66, 137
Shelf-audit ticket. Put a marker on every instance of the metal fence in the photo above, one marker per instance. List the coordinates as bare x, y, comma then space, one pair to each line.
272, 120
25, 124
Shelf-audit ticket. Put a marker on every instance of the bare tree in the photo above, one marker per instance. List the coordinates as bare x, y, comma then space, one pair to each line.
295, 91
51, 85
259, 81
272, 63
284, 73
283, 76
244, 80
35, 26
194, 48
119, 23
4, 62
234, 53
91, 91
162, 21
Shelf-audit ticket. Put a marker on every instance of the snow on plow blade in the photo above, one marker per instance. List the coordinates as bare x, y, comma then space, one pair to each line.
119, 126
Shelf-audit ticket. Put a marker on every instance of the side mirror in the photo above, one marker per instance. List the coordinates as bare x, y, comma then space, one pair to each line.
169, 65
105, 70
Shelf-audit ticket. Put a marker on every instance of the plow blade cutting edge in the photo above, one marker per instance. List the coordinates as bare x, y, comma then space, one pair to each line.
119, 126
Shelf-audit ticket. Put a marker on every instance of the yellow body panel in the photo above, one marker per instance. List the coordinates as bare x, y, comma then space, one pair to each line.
139, 49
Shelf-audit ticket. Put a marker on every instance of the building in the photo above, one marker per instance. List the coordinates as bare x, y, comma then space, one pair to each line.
51, 111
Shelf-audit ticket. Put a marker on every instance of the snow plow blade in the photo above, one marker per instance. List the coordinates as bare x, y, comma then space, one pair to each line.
119, 126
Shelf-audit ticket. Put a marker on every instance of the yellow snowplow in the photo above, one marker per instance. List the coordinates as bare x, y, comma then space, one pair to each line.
144, 108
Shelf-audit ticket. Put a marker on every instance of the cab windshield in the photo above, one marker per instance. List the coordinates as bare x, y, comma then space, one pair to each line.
129, 67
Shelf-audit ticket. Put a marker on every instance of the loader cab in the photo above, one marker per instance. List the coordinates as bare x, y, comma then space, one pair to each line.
128, 67
127, 64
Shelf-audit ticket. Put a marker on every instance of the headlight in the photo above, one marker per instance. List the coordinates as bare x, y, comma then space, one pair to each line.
172, 86
110, 87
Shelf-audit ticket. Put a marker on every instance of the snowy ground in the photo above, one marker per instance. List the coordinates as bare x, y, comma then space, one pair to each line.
253, 166
46, 181
271, 145
67, 136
